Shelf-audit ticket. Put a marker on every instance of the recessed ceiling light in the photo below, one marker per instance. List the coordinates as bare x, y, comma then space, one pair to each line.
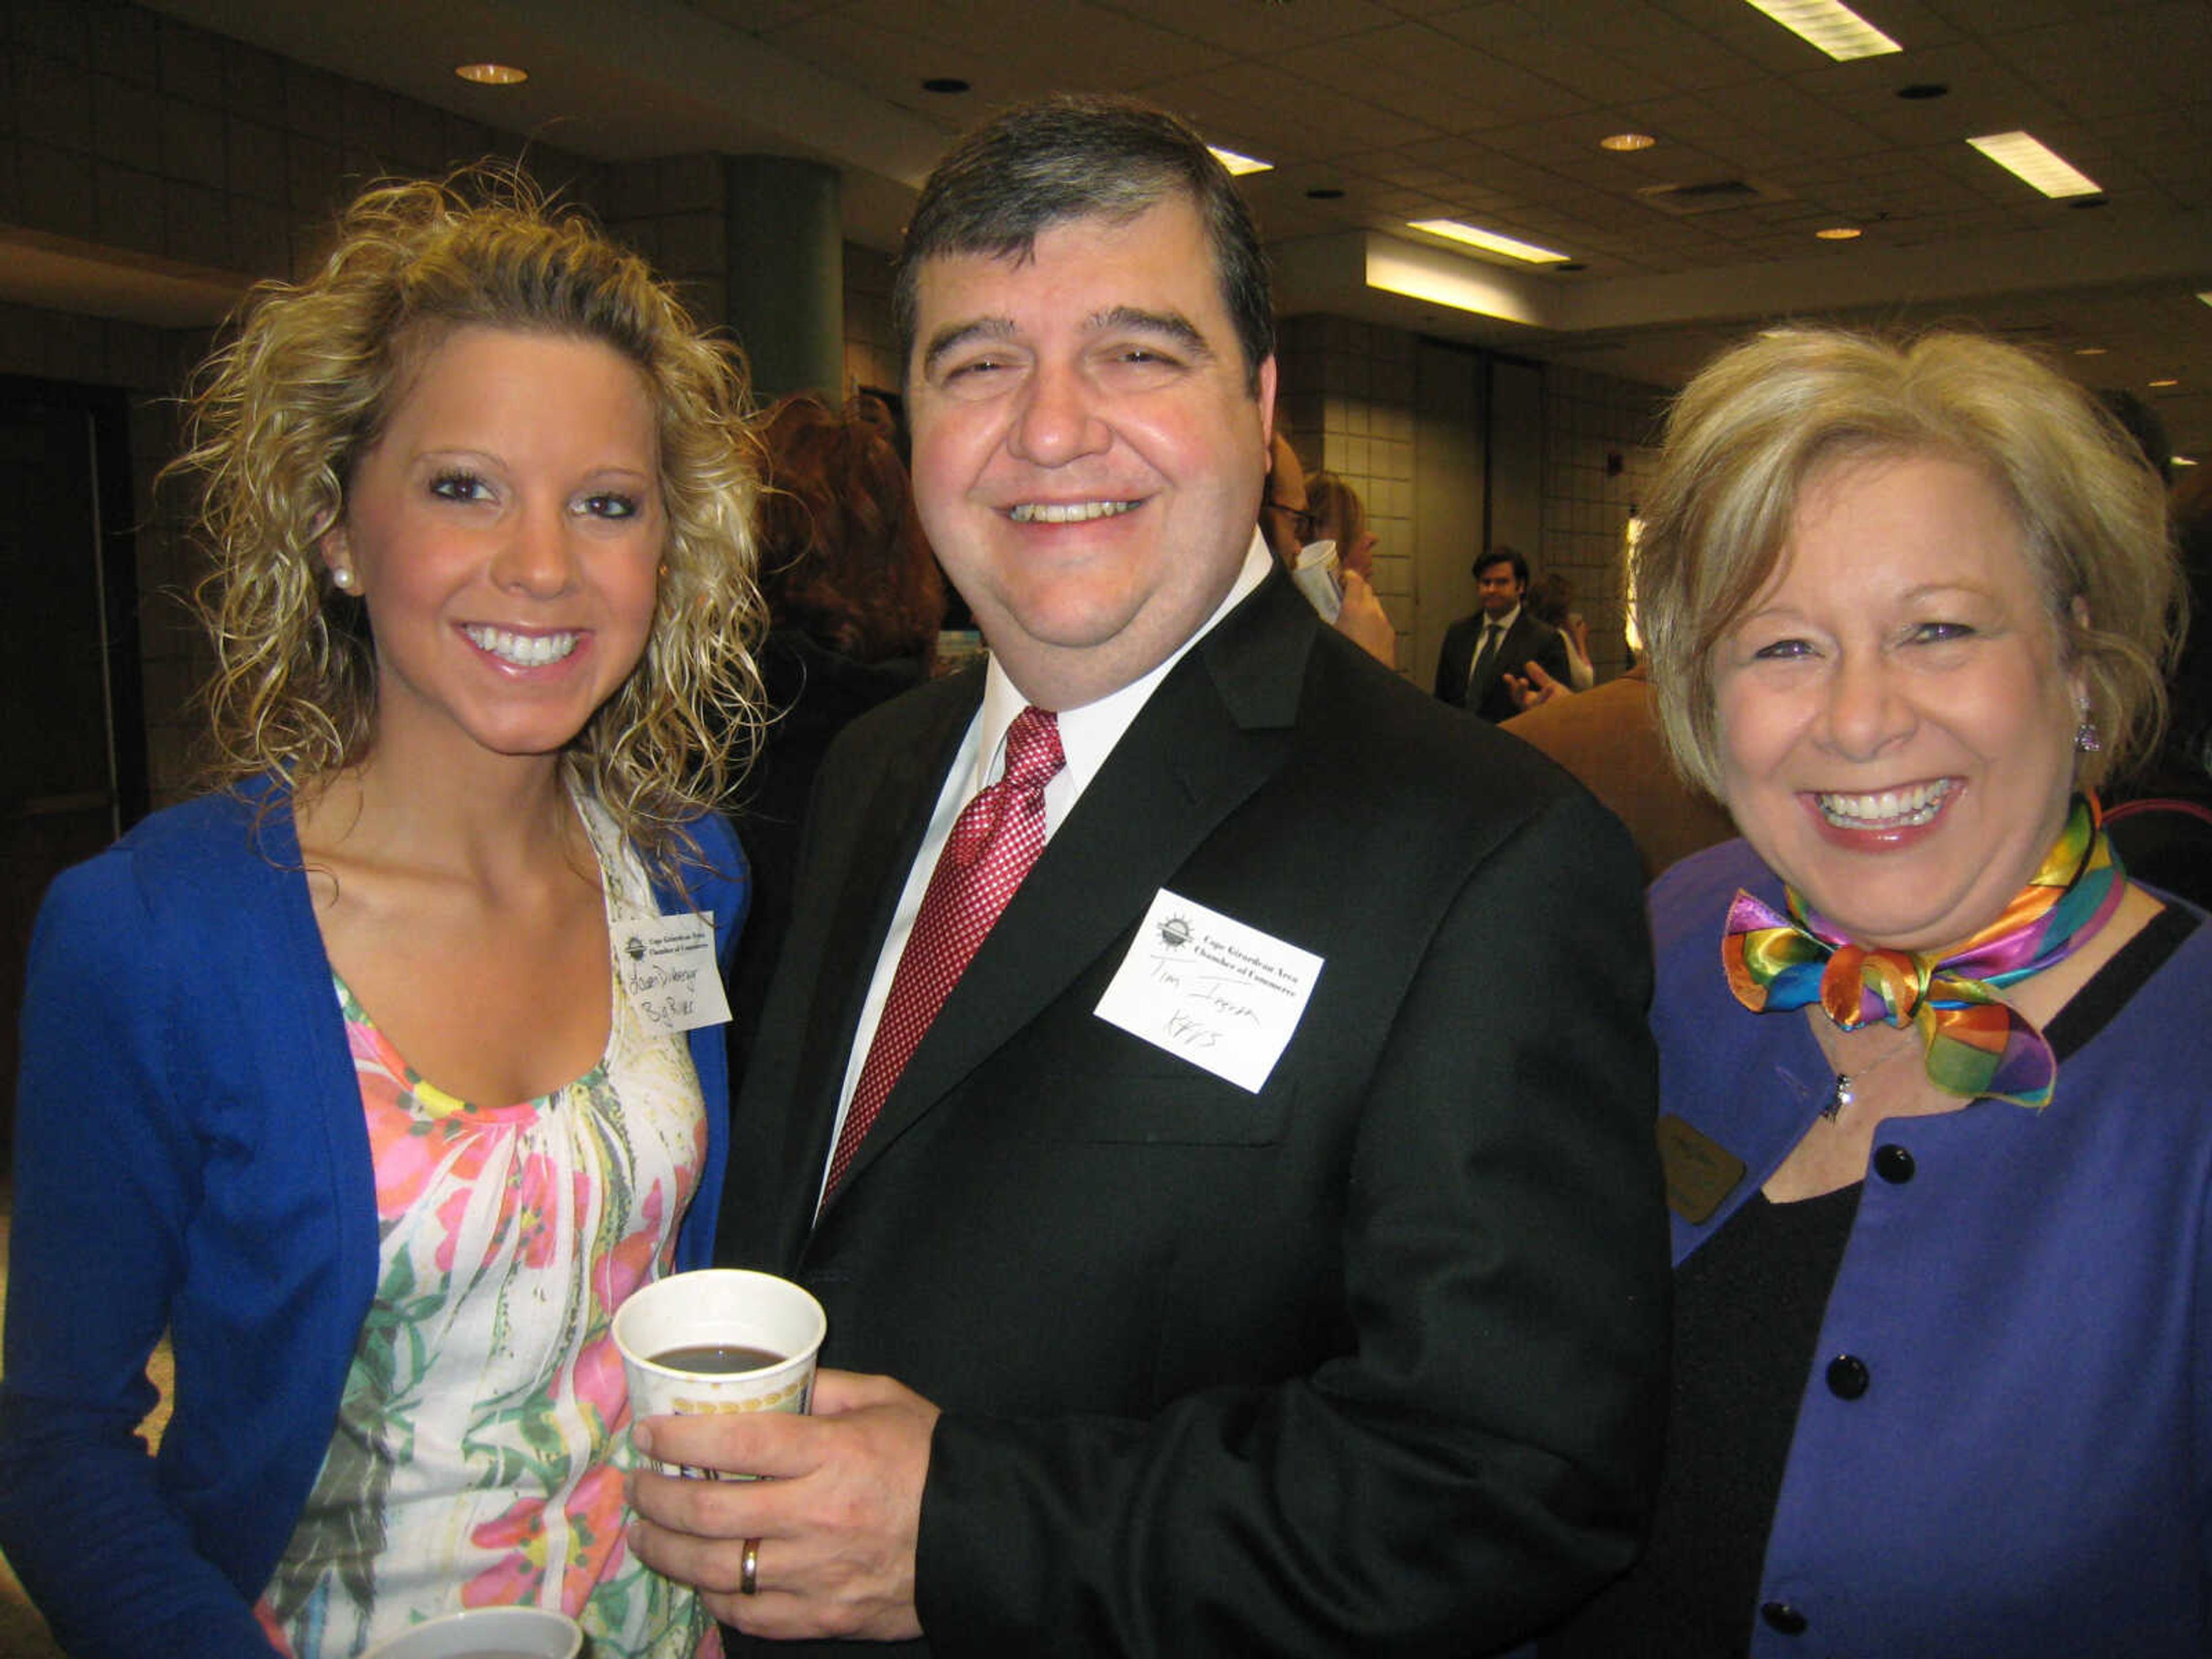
947, 84
2031, 159
2206, 296
492, 75
1917, 90
1324, 193
2162, 385
1625, 142
1839, 234
1489, 241
1835, 28
2185, 460
2089, 351
1240, 165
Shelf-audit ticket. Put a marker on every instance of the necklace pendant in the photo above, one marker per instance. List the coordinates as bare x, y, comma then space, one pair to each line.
1838, 1097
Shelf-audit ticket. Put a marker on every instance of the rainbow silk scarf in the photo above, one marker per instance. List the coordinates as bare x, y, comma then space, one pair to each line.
1977, 1044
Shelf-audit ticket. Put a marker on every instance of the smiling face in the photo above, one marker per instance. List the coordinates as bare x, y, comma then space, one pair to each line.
505, 533
1895, 726
1088, 447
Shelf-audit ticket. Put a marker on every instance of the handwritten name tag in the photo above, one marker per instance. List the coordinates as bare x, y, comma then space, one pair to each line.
1205, 987
667, 969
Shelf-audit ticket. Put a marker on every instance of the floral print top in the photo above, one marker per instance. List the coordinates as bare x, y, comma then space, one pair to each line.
480, 1446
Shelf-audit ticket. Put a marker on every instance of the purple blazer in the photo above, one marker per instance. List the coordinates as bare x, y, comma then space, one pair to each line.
2028, 1470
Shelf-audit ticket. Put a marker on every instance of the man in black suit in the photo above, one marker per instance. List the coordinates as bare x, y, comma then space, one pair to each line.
1266, 1238
1500, 639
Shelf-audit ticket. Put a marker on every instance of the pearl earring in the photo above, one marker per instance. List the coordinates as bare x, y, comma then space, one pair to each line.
341, 576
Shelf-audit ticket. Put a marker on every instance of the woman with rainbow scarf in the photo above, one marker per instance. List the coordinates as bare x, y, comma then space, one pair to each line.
1935, 1072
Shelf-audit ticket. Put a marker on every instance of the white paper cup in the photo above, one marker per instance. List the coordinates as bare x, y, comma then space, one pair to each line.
1316, 574
719, 1308
487, 1633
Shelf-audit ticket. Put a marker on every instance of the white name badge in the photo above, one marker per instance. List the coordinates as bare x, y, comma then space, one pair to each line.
667, 969
1205, 987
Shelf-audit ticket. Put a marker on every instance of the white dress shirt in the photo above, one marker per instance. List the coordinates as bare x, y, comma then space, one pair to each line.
1087, 736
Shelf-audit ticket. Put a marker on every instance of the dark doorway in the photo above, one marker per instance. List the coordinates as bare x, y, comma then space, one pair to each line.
72, 725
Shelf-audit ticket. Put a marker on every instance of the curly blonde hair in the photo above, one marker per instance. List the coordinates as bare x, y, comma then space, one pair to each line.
1751, 430
281, 415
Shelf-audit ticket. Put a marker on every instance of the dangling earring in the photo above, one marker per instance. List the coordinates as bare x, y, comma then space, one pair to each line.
2085, 735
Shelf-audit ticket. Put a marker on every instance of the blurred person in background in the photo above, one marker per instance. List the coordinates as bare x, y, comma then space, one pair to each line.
1503, 638
1551, 599
1293, 523
854, 601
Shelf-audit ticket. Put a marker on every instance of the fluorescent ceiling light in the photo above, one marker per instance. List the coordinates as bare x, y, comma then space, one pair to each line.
2028, 159
1445, 276
1239, 165
1490, 241
1835, 28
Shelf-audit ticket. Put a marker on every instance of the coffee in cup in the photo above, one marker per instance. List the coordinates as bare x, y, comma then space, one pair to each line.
719, 1340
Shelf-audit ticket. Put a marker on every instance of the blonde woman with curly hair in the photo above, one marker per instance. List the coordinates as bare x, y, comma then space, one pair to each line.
346, 1075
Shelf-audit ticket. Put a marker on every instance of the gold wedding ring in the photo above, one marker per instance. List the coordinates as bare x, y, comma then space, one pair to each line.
749, 1568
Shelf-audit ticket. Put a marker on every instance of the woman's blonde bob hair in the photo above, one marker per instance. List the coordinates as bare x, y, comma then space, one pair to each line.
1756, 424
283, 414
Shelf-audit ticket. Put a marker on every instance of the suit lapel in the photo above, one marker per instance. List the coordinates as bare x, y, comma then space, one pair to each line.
889, 824
1217, 728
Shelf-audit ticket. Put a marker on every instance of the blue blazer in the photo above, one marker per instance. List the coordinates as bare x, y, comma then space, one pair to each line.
191, 1156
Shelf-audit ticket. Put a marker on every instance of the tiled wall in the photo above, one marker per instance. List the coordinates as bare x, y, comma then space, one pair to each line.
1598, 463
134, 130
1349, 389
675, 211
871, 354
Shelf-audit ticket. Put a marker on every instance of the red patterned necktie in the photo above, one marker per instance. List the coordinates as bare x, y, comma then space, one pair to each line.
996, 838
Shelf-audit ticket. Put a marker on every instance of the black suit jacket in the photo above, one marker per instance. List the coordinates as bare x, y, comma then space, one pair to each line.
1367, 1362
1527, 640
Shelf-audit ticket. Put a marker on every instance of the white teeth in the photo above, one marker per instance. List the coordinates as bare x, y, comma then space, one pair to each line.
1068, 512
1893, 809
523, 650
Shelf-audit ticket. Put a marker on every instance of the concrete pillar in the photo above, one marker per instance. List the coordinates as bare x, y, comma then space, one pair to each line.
786, 273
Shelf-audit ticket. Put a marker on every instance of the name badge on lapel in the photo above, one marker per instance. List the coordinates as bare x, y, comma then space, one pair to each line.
1700, 1172
667, 969
1211, 990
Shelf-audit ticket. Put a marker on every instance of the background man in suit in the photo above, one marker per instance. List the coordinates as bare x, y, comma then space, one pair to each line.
1270, 1262
1471, 667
